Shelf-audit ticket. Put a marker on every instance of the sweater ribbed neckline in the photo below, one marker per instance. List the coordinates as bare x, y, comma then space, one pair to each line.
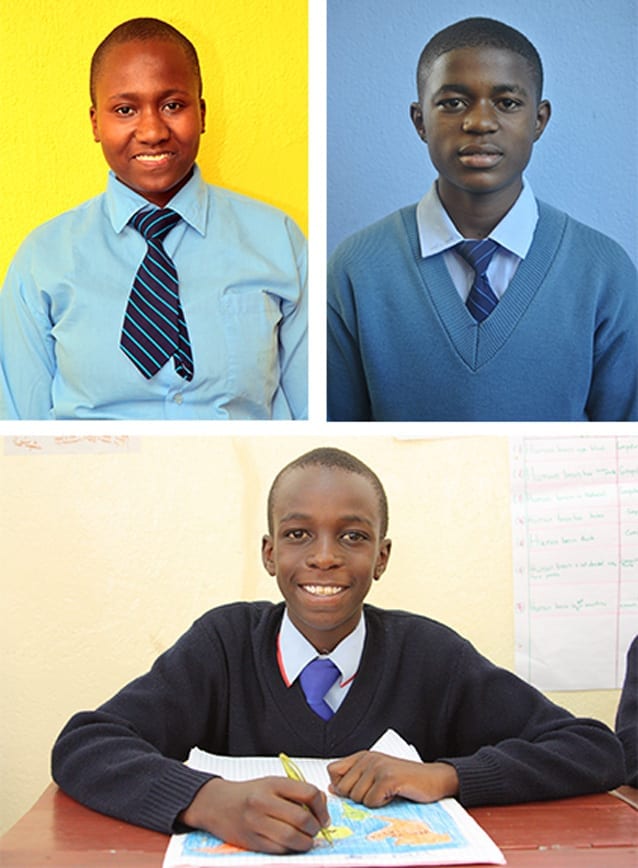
478, 343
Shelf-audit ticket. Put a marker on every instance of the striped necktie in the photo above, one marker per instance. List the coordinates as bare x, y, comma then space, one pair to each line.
316, 680
154, 328
478, 254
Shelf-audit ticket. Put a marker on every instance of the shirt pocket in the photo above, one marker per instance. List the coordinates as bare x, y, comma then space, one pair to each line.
250, 319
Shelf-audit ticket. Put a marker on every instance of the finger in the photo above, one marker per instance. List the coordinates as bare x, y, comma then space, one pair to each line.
301, 805
278, 836
369, 782
319, 807
340, 767
288, 826
349, 776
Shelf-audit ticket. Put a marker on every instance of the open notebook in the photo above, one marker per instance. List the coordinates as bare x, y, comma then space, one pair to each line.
401, 833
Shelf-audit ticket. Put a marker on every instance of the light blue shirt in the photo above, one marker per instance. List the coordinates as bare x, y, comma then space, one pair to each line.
514, 234
242, 269
294, 652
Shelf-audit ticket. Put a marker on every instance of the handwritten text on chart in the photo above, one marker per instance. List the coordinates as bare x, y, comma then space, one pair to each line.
575, 543
69, 444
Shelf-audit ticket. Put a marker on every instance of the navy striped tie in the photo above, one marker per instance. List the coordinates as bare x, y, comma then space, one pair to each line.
478, 254
154, 327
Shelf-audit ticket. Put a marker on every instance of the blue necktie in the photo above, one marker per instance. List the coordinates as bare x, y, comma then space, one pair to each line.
154, 328
316, 680
478, 254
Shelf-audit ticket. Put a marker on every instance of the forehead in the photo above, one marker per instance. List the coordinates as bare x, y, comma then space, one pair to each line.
326, 490
140, 61
483, 65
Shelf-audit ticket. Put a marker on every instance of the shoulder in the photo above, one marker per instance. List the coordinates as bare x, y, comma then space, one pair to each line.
410, 627
239, 207
584, 241
64, 226
376, 240
241, 619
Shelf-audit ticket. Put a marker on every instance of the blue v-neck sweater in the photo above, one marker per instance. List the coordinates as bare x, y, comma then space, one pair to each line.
562, 344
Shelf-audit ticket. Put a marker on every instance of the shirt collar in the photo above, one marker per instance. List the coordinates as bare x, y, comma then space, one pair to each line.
294, 651
515, 232
190, 202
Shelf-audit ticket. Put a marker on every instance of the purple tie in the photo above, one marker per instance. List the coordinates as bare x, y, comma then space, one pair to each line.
316, 680
478, 254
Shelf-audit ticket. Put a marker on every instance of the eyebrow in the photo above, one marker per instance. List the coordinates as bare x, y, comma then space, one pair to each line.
301, 516
496, 90
173, 91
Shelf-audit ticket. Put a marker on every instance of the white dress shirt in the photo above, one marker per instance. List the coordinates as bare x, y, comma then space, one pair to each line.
514, 234
294, 652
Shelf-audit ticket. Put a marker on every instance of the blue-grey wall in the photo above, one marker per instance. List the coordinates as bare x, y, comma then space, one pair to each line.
586, 161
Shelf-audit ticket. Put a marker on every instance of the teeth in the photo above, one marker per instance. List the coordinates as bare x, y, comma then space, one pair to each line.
151, 158
323, 590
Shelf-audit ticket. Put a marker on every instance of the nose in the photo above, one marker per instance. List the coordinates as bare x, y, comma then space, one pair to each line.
480, 118
323, 555
151, 127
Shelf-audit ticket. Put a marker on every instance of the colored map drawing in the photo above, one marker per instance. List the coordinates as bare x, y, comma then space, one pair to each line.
222, 848
356, 831
354, 812
408, 833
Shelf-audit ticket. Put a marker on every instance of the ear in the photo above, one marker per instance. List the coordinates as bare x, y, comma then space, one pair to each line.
267, 554
543, 114
416, 113
202, 114
382, 559
93, 116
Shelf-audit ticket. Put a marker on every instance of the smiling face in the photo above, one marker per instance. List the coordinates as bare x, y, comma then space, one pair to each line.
480, 115
148, 116
325, 549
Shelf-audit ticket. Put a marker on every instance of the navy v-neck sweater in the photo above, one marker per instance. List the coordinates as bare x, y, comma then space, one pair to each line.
561, 345
219, 688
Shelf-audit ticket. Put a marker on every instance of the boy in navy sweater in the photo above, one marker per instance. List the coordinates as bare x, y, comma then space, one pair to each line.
236, 684
481, 303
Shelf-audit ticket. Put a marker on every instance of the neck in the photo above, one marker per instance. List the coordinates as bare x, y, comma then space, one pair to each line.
476, 215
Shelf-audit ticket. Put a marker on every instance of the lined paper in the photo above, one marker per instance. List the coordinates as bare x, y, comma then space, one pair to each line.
575, 558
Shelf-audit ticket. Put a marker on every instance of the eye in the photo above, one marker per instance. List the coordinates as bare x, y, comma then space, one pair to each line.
173, 106
508, 104
124, 111
451, 104
354, 536
296, 534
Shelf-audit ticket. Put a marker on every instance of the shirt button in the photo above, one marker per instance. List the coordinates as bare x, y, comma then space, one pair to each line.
179, 398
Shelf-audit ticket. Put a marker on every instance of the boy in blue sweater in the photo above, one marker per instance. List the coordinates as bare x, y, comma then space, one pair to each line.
480, 302
237, 683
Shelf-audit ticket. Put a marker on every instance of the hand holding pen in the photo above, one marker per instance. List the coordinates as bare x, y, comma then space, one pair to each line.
269, 815
294, 773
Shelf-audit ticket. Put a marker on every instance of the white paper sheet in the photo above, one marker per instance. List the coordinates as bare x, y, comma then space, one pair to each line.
575, 554
402, 833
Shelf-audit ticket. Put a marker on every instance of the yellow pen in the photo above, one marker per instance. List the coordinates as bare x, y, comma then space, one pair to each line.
294, 773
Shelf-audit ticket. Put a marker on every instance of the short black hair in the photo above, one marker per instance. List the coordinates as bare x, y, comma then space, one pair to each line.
142, 29
475, 33
328, 456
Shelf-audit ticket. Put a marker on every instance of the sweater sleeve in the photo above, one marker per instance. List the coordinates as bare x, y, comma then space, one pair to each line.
348, 399
613, 395
627, 715
512, 744
126, 759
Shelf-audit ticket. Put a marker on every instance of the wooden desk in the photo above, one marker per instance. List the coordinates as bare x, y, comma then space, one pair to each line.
599, 831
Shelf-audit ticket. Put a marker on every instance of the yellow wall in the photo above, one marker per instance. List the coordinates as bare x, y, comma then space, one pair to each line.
253, 55
101, 572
